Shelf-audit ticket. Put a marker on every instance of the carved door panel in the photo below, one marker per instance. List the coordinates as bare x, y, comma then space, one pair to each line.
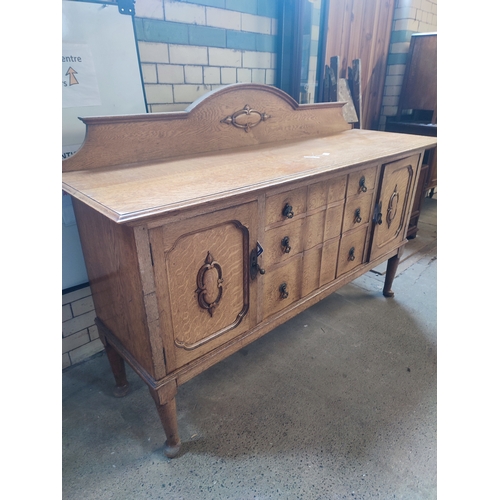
391, 217
205, 295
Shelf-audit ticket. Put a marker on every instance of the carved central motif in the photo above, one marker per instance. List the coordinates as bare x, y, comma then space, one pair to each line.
209, 283
393, 206
246, 118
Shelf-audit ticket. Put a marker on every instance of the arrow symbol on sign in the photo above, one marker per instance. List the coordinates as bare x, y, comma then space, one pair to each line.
72, 79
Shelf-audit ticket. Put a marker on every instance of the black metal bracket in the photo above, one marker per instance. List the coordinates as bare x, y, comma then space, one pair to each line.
126, 7
254, 266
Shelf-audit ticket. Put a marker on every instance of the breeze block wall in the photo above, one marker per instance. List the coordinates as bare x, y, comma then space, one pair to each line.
410, 16
189, 47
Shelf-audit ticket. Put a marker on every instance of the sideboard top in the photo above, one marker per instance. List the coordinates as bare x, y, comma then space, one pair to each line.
238, 139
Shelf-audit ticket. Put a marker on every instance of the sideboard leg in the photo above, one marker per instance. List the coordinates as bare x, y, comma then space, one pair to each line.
116, 362
118, 368
392, 267
168, 417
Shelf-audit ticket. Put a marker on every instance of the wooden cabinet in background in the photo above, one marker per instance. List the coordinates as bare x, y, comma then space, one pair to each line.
203, 230
417, 112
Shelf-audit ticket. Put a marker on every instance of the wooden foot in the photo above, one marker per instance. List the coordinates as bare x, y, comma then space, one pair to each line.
168, 417
392, 267
118, 368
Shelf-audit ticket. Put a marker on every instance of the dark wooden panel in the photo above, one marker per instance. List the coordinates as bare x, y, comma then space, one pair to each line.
361, 29
419, 90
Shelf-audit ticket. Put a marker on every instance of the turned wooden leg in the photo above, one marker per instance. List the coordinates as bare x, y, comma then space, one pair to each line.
118, 368
168, 416
392, 267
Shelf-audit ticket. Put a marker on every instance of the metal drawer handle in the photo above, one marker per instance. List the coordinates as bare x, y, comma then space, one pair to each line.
351, 254
283, 291
362, 186
357, 215
288, 211
254, 265
285, 243
377, 216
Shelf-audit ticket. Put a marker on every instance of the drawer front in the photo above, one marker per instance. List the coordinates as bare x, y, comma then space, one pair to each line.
329, 261
317, 195
311, 270
282, 243
314, 229
285, 206
282, 286
358, 211
336, 189
333, 223
325, 193
351, 251
362, 181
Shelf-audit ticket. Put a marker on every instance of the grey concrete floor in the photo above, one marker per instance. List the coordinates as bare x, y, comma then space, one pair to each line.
338, 403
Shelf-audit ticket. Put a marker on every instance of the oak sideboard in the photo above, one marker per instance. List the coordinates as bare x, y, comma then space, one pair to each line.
203, 230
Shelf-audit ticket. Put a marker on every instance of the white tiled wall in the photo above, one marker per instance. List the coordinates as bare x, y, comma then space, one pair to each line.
167, 67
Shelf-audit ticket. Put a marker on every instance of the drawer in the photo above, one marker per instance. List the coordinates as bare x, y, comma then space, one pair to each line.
326, 192
358, 211
336, 189
317, 195
352, 249
279, 205
282, 243
329, 258
362, 181
333, 222
314, 229
282, 285
311, 270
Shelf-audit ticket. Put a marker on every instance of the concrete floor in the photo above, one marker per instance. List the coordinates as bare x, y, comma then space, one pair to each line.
338, 403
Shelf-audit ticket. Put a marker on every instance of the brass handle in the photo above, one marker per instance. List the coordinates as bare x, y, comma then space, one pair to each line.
357, 215
283, 291
288, 211
351, 254
285, 243
362, 186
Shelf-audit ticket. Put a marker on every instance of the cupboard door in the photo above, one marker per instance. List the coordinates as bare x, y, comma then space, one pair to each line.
391, 211
202, 280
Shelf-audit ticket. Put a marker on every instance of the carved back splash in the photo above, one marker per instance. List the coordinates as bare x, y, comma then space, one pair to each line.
230, 117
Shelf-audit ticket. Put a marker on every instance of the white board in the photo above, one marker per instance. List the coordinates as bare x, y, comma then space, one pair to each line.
100, 76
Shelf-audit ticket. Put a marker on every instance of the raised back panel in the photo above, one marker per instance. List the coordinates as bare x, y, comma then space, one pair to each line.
235, 116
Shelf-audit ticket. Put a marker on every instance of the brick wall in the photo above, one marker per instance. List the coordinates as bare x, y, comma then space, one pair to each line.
410, 16
189, 47
80, 339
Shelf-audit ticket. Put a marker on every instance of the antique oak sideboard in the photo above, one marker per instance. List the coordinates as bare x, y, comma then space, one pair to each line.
203, 230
